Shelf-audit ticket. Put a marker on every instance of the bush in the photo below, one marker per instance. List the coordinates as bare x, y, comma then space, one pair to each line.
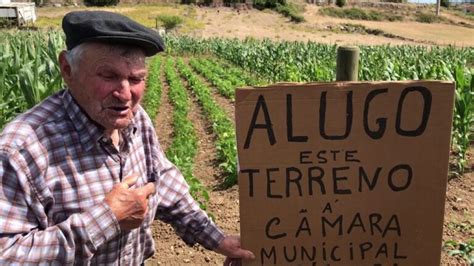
280, 6
445, 3
340, 3
7, 23
289, 11
426, 18
169, 22
262, 4
359, 14
101, 2
356, 13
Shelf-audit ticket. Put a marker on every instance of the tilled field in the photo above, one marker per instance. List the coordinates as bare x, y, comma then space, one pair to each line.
224, 203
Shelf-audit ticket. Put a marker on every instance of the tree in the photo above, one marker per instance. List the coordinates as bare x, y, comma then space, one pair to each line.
101, 2
340, 3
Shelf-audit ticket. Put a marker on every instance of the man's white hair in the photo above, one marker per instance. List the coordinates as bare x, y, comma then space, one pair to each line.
74, 55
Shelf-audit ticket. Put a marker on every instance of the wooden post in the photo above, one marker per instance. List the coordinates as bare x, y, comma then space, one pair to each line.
347, 63
438, 5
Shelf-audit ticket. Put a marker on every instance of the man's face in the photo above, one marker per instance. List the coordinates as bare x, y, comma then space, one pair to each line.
108, 83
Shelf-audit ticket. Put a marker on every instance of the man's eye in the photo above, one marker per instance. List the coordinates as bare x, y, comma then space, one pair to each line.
135, 80
107, 76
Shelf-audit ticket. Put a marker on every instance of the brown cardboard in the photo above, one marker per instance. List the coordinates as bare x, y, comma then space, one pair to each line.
287, 204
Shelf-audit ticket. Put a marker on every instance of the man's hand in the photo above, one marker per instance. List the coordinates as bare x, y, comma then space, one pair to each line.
230, 247
129, 205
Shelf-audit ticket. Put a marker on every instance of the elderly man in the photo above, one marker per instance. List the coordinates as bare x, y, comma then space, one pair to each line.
82, 175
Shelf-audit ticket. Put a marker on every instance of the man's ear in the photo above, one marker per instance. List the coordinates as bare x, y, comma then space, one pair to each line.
65, 67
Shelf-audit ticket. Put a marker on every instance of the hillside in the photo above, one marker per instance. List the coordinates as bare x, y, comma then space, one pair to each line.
230, 22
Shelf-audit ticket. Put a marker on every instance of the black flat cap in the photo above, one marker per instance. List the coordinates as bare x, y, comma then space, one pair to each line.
102, 26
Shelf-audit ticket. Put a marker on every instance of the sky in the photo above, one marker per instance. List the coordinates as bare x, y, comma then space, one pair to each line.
434, 1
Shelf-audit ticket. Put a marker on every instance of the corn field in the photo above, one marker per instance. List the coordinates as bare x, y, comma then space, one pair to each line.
29, 73
28, 70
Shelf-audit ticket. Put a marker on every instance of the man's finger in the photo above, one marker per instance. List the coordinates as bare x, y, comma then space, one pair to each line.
148, 189
245, 254
130, 180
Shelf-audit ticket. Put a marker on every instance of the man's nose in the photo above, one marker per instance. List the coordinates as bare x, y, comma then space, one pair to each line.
123, 92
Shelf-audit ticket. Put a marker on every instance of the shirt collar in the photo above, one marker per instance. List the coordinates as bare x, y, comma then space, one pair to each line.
89, 131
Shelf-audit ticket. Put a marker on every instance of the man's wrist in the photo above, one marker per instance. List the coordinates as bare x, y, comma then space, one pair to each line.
211, 237
100, 224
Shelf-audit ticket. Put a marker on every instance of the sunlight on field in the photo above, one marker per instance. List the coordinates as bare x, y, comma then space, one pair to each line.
145, 14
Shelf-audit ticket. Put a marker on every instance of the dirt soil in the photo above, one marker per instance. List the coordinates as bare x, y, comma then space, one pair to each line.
224, 204
459, 212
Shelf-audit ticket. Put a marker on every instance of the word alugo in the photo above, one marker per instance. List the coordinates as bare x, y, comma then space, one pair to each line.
262, 107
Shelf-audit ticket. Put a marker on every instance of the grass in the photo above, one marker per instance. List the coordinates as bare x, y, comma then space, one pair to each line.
461, 11
465, 250
48, 22
462, 227
49, 17
428, 18
359, 14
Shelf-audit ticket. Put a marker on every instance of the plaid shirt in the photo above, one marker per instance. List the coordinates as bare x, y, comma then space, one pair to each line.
56, 168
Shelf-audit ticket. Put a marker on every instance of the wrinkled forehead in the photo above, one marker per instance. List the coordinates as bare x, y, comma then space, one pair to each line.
133, 55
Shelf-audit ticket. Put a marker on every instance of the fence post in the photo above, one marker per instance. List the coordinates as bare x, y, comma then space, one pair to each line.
347, 63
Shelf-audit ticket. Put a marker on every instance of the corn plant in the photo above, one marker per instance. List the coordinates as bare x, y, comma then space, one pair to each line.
310, 61
463, 118
28, 69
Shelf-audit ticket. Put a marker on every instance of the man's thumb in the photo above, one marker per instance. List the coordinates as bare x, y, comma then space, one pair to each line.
130, 180
148, 189
246, 254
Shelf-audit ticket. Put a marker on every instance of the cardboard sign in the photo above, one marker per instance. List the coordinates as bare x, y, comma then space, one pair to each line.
344, 173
